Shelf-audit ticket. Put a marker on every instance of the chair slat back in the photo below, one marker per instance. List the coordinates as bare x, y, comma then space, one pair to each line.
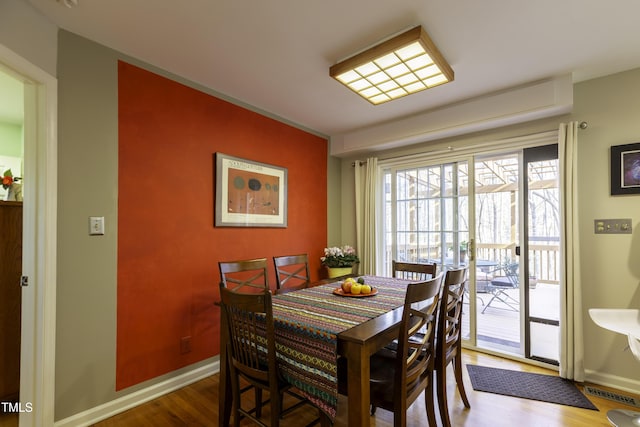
250, 333
292, 272
245, 276
416, 356
511, 270
413, 271
448, 337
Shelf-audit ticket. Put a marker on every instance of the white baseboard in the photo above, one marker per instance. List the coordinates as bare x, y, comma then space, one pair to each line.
613, 381
109, 409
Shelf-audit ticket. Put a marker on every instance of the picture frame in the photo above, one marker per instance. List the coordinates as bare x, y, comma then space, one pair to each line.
249, 193
625, 169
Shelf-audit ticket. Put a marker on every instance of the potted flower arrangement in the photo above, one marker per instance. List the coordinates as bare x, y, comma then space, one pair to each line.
339, 260
10, 182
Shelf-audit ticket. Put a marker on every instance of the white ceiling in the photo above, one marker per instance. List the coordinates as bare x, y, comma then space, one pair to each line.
275, 55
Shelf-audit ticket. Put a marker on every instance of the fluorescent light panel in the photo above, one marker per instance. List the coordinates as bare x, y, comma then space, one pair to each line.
402, 65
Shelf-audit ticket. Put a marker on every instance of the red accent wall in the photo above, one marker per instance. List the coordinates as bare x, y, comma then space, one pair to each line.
168, 247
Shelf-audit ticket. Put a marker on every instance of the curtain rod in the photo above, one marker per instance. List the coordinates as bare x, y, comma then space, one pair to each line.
581, 125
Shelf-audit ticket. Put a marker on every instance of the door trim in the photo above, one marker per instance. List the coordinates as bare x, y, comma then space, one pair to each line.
37, 353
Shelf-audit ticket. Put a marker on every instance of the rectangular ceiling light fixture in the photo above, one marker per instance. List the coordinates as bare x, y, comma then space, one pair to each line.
402, 65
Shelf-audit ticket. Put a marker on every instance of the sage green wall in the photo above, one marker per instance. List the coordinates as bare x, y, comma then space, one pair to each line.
610, 271
87, 267
10, 140
87, 186
25, 31
334, 202
610, 263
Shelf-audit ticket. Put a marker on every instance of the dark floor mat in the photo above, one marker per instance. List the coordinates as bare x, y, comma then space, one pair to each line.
545, 388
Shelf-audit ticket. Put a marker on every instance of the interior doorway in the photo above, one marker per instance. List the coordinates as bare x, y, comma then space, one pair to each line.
11, 214
37, 346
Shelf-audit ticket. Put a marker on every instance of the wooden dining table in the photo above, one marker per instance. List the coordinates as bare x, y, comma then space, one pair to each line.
359, 327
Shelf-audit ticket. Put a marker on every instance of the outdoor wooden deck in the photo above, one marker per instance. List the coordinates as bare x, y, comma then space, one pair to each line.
499, 327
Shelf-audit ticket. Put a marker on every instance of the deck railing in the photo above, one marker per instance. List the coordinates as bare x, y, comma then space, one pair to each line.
544, 258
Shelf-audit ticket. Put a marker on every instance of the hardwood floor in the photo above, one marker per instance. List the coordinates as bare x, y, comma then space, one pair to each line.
197, 405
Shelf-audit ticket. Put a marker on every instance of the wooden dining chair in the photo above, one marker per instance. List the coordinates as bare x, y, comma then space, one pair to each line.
292, 272
413, 271
449, 339
246, 361
399, 377
245, 276
252, 353
250, 277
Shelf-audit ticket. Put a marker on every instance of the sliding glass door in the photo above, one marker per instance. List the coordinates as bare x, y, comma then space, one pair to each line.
542, 247
497, 215
511, 243
517, 266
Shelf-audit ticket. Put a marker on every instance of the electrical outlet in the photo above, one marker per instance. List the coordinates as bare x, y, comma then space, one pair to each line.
612, 226
185, 345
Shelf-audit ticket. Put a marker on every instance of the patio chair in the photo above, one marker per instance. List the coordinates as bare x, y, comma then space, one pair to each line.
483, 280
499, 286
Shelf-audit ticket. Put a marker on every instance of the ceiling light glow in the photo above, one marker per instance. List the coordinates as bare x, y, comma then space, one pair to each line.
405, 64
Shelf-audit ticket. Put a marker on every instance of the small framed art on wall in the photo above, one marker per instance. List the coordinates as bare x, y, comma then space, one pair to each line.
625, 169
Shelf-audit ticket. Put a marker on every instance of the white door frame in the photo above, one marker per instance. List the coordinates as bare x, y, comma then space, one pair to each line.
37, 361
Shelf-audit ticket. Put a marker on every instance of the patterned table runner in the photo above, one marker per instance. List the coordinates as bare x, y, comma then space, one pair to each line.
307, 323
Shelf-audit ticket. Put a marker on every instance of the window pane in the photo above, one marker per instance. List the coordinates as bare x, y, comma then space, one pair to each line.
435, 222
433, 178
428, 204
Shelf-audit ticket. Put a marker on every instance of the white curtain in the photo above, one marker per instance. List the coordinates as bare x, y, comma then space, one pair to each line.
571, 334
366, 180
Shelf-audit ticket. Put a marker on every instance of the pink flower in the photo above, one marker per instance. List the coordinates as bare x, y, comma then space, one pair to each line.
339, 257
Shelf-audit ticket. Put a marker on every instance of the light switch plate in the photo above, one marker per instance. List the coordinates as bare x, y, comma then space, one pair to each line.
96, 225
612, 226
